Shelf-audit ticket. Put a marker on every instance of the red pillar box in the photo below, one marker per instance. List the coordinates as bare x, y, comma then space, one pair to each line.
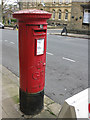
32, 58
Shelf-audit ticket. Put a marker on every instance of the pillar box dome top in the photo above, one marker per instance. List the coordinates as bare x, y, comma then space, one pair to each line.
31, 14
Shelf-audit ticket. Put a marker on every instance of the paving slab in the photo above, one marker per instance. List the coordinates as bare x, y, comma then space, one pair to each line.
47, 100
10, 99
8, 106
4, 114
0, 112
45, 114
5, 95
54, 108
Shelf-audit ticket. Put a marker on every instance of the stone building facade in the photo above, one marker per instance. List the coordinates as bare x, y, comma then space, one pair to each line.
68, 13
80, 16
60, 9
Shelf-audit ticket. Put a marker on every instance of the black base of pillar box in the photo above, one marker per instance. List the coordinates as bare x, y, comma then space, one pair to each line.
31, 104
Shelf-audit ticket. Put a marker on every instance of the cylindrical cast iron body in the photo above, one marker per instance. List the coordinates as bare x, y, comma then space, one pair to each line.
32, 58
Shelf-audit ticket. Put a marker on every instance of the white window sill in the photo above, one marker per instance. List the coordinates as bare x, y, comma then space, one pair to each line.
53, 3
66, 3
60, 3
66, 19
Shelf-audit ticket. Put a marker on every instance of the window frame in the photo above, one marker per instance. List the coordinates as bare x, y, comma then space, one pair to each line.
54, 1
67, 1
60, 15
53, 17
60, 2
66, 15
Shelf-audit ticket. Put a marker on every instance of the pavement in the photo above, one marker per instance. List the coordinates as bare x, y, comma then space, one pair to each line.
73, 35
74, 107
10, 99
8, 28
68, 34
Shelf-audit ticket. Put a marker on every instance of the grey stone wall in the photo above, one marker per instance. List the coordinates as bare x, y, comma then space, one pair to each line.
77, 13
